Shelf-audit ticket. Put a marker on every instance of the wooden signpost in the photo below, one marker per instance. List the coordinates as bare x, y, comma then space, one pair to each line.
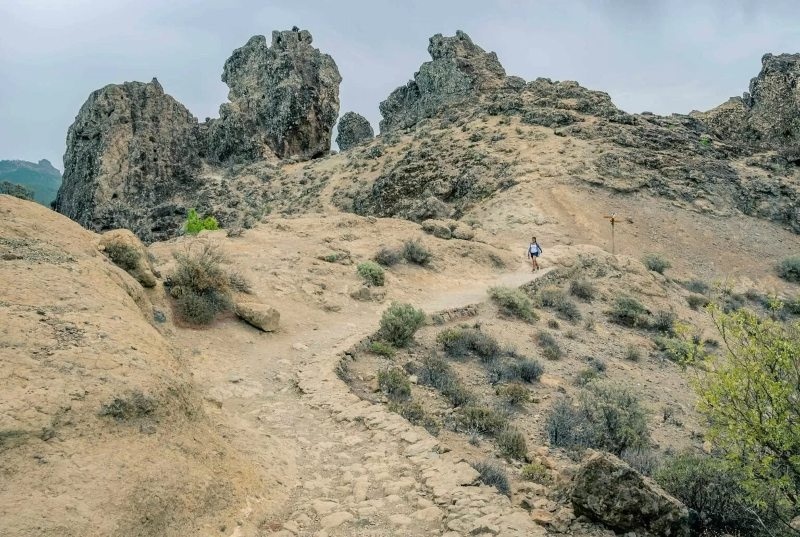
613, 219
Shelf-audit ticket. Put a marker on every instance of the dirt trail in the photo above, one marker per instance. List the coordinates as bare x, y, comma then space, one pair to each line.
339, 465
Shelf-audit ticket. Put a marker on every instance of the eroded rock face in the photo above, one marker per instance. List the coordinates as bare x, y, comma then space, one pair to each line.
608, 491
131, 147
459, 68
284, 100
353, 129
768, 117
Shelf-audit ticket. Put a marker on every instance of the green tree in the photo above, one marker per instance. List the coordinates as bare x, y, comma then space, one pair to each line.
752, 401
195, 224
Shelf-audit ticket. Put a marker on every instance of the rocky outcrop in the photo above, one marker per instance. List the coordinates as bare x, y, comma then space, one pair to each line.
284, 100
131, 149
768, 117
353, 129
458, 69
608, 491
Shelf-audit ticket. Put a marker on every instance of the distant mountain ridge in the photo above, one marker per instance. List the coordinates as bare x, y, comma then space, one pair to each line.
41, 177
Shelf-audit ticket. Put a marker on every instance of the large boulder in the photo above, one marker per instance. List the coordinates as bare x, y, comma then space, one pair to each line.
768, 117
607, 490
284, 100
353, 129
261, 316
131, 149
459, 68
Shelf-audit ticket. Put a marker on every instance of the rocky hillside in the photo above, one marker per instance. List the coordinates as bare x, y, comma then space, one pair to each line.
39, 177
459, 133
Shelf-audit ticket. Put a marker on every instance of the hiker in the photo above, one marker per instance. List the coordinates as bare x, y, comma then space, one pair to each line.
534, 251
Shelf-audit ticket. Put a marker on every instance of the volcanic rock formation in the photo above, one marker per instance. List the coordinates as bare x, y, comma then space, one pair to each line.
284, 99
768, 117
459, 68
353, 129
131, 149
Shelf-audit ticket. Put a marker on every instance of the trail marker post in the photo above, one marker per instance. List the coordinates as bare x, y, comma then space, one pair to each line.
613, 219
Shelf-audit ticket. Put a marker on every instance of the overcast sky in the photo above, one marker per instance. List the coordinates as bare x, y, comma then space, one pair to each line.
662, 56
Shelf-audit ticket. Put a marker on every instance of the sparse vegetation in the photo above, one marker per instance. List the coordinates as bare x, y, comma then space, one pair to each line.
643, 459
697, 301
628, 311
512, 444
493, 475
416, 252
371, 272
632, 353
415, 414
399, 323
514, 395
459, 342
713, 489
789, 269
550, 347
388, 257
656, 263
437, 373
136, 405
526, 370
514, 302
239, 283
558, 300
536, 472
607, 417
394, 383
200, 284
194, 224
663, 321
582, 289
482, 419
381, 348
697, 286
123, 254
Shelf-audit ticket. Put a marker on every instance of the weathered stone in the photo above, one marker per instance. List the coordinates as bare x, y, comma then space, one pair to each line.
353, 129
336, 519
259, 315
128, 252
607, 490
130, 152
284, 100
459, 69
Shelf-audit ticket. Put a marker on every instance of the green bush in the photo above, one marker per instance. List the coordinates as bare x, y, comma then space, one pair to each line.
713, 489
789, 269
633, 354
696, 286
415, 252
195, 224
582, 289
585, 376
697, 301
663, 321
123, 255
399, 323
512, 444
656, 263
482, 419
629, 312
535, 472
607, 417
394, 383
388, 257
514, 394
437, 373
371, 272
458, 342
558, 300
514, 302
381, 348
493, 475
200, 285
550, 347
526, 370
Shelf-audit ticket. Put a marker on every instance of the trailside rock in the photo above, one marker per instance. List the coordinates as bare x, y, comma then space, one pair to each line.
131, 149
607, 490
353, 129
284, 100
259, 315
768, 117
459, 68
128, 252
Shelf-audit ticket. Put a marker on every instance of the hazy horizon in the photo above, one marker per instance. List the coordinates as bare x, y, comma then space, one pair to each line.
664, 57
